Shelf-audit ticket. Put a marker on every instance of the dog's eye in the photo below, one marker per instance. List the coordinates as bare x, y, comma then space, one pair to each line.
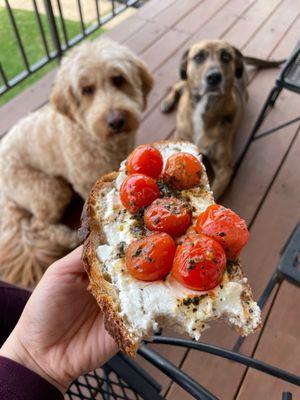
118, 80
88, 89
225, 56
200, 57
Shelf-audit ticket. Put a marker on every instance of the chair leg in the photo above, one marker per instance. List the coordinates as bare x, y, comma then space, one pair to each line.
276, 93
269, 102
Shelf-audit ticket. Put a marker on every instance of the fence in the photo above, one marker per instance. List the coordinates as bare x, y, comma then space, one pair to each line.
59, 40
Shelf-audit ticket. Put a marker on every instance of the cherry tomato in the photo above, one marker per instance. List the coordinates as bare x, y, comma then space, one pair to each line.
226, 227
145, 159
182, 171
199, 263
138, 191
151, 258
169, 215
190, 238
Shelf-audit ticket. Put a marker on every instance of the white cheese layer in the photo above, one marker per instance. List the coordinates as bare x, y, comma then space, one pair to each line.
146, 305
118, 228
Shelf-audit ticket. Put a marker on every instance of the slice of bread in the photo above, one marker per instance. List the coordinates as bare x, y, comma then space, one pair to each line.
135, 309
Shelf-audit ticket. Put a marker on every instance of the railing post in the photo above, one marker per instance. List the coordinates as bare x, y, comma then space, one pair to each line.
53, 27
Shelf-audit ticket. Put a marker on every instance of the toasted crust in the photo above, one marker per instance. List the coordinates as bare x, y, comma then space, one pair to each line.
101, 289
104, 292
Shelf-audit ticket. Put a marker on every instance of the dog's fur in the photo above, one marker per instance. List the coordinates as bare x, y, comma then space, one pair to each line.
87, 129
209, 114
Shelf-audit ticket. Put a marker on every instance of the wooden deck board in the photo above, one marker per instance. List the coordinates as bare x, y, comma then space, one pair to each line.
133, 25
282, 334
176, 12
153, 8
225, 19
276, 220
155, 55
274, 29
160, 31
204, 12
213, 367
252, 20
150, 32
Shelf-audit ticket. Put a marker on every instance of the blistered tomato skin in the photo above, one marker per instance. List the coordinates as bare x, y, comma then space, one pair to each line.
138, 191
150, 258
226, 227
199, 263
169, 215
145, 159
182, 171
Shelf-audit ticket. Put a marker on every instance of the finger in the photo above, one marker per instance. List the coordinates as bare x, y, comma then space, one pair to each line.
71, 263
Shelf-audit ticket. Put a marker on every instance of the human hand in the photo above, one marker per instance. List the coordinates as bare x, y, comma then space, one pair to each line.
60, 334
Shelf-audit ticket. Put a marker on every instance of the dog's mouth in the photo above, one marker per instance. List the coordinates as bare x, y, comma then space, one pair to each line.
214, 90
129, 126
209, 90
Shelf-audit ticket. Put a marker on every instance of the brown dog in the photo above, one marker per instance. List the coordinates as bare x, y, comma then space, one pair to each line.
212, 94
96, 104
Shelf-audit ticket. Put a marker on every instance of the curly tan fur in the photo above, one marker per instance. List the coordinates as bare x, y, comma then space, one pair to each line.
64, 147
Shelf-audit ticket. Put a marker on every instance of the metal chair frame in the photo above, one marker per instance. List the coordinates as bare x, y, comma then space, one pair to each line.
287, 79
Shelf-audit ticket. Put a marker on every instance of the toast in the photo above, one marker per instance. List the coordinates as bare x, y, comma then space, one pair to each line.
134, 309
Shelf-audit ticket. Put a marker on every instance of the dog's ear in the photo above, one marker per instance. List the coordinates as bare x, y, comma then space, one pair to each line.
146, 79
239, 63
183, 65
62, 97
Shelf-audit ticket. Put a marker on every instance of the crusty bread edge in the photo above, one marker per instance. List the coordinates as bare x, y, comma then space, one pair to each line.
92, 235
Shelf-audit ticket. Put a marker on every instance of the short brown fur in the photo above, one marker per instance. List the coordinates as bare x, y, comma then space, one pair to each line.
209, 115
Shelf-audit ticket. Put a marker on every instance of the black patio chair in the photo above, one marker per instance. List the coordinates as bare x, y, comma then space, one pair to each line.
289, 78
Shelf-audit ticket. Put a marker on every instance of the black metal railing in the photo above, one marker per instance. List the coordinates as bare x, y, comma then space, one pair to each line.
59, 39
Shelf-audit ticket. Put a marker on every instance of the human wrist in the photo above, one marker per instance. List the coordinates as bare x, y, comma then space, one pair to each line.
14, 350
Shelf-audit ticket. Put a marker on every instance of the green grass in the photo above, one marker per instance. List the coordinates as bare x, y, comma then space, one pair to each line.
10, 56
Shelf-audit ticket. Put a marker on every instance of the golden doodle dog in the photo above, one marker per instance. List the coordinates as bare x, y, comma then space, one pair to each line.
212, 95
87, 129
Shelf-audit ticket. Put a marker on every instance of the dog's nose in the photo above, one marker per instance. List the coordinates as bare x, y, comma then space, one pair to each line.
213, 78
116, 121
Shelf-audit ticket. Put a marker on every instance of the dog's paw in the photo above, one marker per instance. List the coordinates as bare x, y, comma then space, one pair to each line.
166, 106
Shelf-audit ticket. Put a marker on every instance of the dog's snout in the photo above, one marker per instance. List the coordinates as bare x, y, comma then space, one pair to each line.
213, 78
116, 121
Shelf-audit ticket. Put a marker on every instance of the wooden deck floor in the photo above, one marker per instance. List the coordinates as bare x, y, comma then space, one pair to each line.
266, 190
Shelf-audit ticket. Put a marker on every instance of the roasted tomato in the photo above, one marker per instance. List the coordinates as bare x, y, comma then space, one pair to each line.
138, 191
226, 227
182, 171
145, 159
199, 262
169, 215
151, 258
